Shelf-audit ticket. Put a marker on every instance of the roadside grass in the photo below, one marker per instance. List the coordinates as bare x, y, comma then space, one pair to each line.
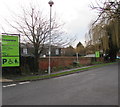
30, 78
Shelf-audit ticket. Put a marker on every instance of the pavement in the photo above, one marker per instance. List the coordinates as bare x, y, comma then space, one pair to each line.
5, 80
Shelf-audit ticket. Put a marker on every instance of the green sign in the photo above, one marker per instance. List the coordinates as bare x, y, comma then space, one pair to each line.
10, 50
97, 54
10, 61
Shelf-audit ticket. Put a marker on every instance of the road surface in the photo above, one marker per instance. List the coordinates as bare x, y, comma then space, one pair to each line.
94, 87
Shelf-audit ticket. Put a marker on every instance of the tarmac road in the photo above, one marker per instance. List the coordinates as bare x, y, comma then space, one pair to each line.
98, 86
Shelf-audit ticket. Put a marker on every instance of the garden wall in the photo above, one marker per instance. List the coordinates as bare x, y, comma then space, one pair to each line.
57, 63
64, 62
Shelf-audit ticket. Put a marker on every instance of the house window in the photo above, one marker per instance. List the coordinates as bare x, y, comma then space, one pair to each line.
57, 52
25, 51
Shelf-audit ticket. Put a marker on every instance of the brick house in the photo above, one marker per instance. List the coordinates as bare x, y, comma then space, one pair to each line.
27, 50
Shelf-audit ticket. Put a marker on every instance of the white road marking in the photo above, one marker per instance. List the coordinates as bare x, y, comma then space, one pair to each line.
24, 82
11, 85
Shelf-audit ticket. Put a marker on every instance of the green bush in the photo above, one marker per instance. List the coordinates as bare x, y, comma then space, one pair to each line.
75, 63
25, 69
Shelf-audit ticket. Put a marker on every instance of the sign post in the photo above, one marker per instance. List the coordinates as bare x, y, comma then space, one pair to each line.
97, 54
10, 50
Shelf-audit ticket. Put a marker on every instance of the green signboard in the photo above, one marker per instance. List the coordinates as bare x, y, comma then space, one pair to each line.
10, 50
97, 54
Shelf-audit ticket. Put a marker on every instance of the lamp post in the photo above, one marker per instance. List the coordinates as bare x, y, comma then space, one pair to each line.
49, 65
77, 56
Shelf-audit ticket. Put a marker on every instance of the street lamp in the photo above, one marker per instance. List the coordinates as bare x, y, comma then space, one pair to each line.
77, 56
49, 67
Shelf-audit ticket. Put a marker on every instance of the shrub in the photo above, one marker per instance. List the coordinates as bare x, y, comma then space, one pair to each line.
75, 63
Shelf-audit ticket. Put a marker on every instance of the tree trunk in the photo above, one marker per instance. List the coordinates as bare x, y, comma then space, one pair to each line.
36, 64
36, 60
113, 53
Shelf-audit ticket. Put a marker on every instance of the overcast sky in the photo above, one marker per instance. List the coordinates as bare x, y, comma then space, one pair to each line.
76, 14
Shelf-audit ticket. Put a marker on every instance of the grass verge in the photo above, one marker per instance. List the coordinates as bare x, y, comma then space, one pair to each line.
30, 78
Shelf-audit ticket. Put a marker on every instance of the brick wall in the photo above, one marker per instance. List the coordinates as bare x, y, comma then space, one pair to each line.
62, 62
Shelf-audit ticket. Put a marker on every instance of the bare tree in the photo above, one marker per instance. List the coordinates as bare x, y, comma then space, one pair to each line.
33, 26
105, 30
107, 9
